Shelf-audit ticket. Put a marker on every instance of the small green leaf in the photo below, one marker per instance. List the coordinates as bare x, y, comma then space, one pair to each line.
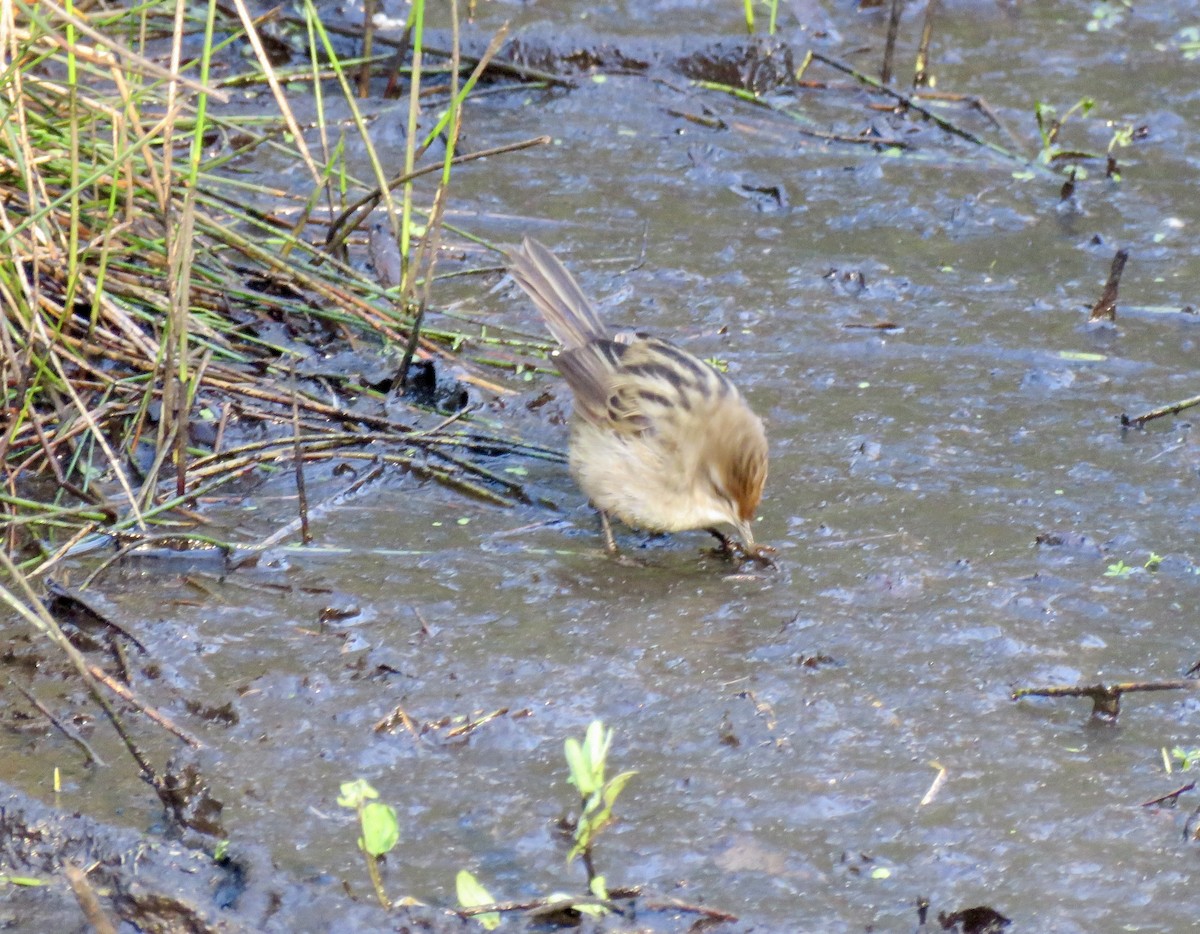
881, 872
1081, 356
381, 829
355, 793
471, 894
614, 787
580, 776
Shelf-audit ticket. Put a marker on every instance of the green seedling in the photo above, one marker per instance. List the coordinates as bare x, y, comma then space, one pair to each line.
380, 828
587, 762
1186, 758
748, 15
1121, 569
1050, 125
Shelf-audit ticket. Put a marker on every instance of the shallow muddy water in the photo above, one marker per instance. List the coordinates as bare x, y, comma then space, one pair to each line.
785, 726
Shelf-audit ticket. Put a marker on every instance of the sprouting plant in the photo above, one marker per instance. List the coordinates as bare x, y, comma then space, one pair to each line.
1108, 14
1188, 40
1186, 758
587, 762
748, 14
1050, 125
717, 364
1122, 136
1121, 569
380, 828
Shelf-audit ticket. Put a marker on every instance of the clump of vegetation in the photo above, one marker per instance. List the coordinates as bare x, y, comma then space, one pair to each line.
161, 313
587, 763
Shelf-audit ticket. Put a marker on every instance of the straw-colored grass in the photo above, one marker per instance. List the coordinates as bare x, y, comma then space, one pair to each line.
137, 283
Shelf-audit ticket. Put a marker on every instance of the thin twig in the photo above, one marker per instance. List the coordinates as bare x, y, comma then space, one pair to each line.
1106, 308
889, 48
1172, 409
89, 902
921, 71
90, 754
910, 102
1171, 797
298, 462
127, 694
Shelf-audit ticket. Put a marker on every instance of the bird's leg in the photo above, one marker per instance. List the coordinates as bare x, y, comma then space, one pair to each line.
732, 548
610, 543
727, 548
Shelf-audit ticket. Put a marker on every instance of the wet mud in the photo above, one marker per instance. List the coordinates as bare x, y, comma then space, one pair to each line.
958, 512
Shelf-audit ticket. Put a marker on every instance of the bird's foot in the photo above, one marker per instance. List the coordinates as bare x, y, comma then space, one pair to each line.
731, 549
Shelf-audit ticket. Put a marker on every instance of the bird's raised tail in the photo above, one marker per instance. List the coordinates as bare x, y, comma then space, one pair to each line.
569, 314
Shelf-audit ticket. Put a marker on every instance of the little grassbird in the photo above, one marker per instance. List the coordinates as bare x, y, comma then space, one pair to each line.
659, 438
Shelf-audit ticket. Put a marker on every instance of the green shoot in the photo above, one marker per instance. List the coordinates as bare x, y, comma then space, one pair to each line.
587, 764
748, 15
1050, 125
1186, 758
1121, 569
380, 828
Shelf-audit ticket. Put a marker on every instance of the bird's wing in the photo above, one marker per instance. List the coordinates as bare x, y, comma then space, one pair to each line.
592, 372
625, 385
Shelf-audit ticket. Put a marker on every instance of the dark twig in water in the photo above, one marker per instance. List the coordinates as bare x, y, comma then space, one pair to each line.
68, 732
1106, 699
298, 462
889, 48
1106, 308
166, 539
1171, 798
910, 102
126, 694
1174, 408
33, 612
282, 533
921, 70
538, 907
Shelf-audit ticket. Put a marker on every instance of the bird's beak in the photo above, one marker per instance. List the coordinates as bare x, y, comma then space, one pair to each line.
747, 534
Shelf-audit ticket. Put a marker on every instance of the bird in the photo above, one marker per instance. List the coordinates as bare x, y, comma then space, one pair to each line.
659, 439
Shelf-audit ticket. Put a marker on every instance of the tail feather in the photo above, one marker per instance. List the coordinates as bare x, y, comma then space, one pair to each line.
569, 314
